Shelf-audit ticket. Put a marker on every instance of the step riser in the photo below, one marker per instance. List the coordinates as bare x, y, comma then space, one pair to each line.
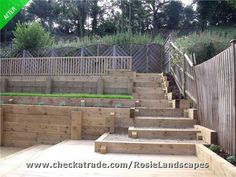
159, 105
148, 84
151, 80
154, 96
153, 103
144, 90
146, 148
180, 135
164, 123
160, 112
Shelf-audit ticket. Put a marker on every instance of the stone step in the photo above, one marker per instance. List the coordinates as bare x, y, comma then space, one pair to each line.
163, 133
162, 103
121, 143
159, 112
164, 122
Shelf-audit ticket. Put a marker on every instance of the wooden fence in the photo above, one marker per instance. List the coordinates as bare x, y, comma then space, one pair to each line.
145, 57
64, 66
212, 85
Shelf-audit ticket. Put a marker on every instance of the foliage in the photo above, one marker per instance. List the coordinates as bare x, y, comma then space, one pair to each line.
120, 38
208, 43
68, 95
63, 103
40, 103
231, 159
28, 36
119, 105
172, 13
98, 105
215, 148
233, 3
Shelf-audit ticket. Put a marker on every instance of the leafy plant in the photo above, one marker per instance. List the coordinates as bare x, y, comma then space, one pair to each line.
215, 148
119, 38
231, 159
119, 105
63, 103
206, 44
98, 105
40, 103
82, 103
29, 36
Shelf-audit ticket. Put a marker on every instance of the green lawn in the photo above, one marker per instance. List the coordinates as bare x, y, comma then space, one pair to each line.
68, 95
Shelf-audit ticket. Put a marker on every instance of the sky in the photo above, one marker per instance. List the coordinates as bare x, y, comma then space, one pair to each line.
187, 2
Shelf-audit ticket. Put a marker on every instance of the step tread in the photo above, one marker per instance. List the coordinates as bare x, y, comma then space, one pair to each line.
163, 118
164, 129
126, 139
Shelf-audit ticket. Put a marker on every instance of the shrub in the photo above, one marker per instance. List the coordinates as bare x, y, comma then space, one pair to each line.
62, 103
119, 105
231, 159
215, 148
119, 38
29, 36
206, 44
40, 103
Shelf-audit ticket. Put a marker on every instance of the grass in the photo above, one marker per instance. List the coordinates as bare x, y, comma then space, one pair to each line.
119, 38
208, 43
68, 95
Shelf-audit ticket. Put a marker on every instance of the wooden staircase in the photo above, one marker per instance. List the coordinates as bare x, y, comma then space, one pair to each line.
158, 127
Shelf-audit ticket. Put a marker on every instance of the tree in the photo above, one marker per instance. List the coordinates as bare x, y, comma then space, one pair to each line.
46, 11
29, 36
224, 15
173, 13
189, 17
233, 3
206, 10
6, 31
154, 7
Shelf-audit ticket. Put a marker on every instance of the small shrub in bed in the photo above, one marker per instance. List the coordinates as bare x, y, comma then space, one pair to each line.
231, 159
215, 148
40, 103
62, 103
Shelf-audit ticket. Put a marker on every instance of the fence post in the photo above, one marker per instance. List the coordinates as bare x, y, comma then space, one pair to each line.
233, 53
114, 54
1, 126
184, 79
147, 62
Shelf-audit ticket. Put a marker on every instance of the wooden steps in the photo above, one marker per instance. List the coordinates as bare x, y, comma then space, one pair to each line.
161, 103
118, 143
163, 133
144, 90
164, 122
159, 112
156, 96
147, 84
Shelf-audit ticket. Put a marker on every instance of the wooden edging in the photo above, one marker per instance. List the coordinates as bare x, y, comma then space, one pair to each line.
219, 166
207, 135
1, 126
106, 146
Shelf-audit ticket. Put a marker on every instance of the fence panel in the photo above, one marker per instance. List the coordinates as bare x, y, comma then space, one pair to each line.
63, 66
216, 95
211, 85
146, 58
